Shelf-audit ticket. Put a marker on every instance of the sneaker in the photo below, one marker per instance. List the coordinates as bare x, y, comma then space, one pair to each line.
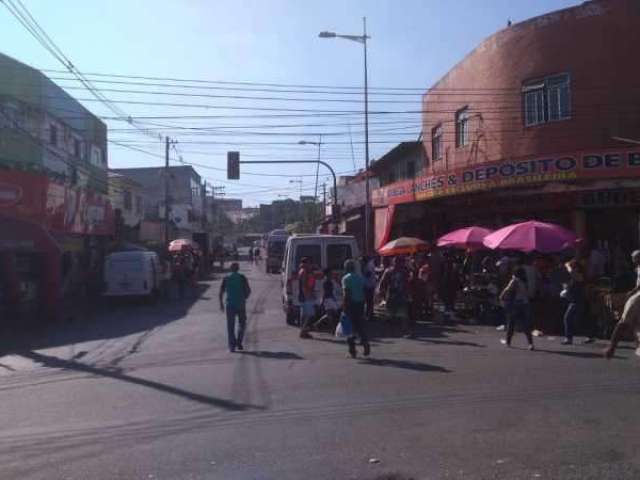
232, 349
531, 347
504, 342
566, 341
366, 349
240, 347
305, 335
589, 340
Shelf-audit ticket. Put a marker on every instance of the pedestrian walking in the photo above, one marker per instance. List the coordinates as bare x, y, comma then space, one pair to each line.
575, 294
331, 301
515, 299
394, 286
370, 281
307, 296
629, 321
237, 290
179, 275
353, 286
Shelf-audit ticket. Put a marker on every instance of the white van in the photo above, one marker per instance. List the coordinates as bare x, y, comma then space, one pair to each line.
132, 273
325, 251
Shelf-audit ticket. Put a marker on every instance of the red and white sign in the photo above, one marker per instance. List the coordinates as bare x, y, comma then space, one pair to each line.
9, 194
58, 208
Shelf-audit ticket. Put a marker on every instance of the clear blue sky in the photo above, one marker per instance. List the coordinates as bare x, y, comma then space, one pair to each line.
414, 42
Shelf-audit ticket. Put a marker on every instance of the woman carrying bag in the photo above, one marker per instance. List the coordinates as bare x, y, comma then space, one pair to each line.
515, 299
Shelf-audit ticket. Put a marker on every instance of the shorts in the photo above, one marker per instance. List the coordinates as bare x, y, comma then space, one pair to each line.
308, 309
330, 304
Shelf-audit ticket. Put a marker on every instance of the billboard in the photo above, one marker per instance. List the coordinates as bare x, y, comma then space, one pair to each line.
599, 165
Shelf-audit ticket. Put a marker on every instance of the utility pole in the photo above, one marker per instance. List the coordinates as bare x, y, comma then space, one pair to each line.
167, 143
204, 206
323, 210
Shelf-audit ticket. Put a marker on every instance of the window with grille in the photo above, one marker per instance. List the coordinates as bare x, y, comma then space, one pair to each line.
462, 127
547, 100
436, 143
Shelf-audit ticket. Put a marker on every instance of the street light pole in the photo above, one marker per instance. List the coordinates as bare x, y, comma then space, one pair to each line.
363, 40
367, 204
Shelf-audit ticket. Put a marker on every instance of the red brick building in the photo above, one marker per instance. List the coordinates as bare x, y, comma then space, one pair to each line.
529, 125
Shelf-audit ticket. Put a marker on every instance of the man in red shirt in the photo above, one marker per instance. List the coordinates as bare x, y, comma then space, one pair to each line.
307, 296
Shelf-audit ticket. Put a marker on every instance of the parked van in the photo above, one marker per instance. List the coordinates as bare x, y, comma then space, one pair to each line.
323, 251
276, 242
132, 273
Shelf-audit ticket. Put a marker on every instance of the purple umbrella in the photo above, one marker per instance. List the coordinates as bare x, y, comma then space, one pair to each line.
469, 237
531, 236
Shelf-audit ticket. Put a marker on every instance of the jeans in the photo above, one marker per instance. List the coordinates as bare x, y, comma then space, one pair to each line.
241, 313
572, 315
519, 313
355, 312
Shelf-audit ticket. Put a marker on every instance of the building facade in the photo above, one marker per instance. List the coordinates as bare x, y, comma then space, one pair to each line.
186, 201
127, 201
55, 213
531, 124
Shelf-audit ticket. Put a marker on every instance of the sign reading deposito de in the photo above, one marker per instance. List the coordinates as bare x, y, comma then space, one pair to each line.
505, 174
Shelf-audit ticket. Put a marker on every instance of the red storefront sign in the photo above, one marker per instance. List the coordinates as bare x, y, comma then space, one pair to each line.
57, 208
507, 174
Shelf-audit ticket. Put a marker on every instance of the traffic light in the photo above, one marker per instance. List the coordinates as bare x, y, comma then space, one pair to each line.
233, 165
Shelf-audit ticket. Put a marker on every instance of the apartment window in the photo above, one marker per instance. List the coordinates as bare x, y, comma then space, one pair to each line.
392, 177
138, 204
411, 169
462, 127
96, 156
546, 100
436, 143
77, 148
53, 135
127, 200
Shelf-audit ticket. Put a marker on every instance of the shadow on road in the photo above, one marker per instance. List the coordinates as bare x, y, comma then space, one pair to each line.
455, 343
111, 318
272, 355
588, 355
55, 362
404, 364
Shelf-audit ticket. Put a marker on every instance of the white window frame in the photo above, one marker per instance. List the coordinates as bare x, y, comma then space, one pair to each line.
436, 134
462, 127
537, 97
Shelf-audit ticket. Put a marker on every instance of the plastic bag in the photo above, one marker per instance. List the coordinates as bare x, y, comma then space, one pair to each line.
345, 324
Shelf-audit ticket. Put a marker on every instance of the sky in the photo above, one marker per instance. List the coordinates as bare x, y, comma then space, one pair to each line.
300, 87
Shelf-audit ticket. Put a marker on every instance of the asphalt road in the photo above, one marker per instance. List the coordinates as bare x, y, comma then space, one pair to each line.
151, 392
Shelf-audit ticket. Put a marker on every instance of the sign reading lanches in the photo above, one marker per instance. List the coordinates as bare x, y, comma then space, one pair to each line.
505, 174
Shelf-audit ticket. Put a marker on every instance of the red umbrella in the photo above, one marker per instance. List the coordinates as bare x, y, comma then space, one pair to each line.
183, 244
469, 237
531, 236
403, 246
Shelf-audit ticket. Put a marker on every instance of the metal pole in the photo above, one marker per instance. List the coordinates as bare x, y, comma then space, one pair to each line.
333, 174
367, 207
315, 192
166, 191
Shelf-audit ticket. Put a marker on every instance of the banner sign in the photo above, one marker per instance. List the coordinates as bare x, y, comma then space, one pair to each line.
506, 174
58, 208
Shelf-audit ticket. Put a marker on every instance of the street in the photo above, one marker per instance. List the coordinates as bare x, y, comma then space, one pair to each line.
150, 391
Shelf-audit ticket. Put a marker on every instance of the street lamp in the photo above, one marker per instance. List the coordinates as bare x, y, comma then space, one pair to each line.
363, 40
319, 145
